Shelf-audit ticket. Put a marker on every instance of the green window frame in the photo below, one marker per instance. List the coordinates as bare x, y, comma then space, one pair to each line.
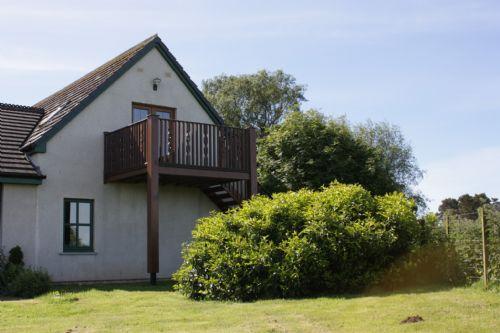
78, 228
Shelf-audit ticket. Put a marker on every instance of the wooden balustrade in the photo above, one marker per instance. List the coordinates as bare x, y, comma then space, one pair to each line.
181, 144
125, 149
197, 145
238, 190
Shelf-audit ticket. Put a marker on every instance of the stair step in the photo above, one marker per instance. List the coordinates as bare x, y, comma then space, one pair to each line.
220, 197
223, 195
213, 189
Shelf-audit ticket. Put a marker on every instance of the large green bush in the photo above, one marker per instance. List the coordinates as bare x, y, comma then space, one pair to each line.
297, 243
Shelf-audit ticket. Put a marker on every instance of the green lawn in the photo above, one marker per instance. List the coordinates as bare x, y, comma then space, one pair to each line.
141, 308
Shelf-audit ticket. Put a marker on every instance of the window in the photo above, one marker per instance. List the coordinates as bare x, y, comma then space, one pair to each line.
139, 114
78, 225
141, 111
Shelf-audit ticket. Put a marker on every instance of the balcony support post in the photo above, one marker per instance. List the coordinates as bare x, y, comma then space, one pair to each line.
152, 169
252, 151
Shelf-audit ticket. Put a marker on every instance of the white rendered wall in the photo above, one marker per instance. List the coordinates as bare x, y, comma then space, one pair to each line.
19, 217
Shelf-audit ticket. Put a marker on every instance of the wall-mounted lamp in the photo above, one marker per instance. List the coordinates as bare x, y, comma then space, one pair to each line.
156, 83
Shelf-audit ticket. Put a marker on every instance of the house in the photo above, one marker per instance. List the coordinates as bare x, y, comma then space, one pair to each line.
105, 179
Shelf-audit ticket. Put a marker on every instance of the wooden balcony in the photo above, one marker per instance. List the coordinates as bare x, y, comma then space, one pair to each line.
189, 153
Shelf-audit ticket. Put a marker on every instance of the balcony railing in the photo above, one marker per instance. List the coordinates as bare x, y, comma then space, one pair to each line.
125, 149
181, 144
197, 145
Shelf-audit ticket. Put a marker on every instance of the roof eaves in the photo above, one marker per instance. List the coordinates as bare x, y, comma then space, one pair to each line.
17, 107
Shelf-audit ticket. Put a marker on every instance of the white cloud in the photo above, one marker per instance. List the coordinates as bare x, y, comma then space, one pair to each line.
473, 172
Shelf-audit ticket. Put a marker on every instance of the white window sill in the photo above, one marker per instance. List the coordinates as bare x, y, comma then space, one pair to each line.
77, 253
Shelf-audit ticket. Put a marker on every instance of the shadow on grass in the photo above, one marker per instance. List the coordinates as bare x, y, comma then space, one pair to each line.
378, 292
167, 286
162, 285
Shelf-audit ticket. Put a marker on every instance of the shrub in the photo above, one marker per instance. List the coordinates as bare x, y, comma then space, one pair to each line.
16, 256
20, 281
29, 283
297, 243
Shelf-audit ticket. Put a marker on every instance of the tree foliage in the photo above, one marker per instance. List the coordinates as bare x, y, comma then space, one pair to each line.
309, 150
466, 205
260, 100
394, 153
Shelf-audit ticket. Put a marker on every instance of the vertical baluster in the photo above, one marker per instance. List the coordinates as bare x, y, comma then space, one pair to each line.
194, 144
166, 140
188, 144
127, 148
172, 147
133, 146
210, 143
204, 146
222, 147
240, 140
233, 149
124, 147
177, 142
184, 131
229, 148
130, 148
214, 146
197, 144
160, 141
183, 138
137, 146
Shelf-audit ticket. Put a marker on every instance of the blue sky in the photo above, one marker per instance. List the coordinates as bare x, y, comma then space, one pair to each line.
431, 67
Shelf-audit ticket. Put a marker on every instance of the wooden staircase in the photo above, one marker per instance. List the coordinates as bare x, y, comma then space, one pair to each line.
227, 195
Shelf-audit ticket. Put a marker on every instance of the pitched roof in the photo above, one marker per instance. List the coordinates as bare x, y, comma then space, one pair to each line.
16, 123
65, 104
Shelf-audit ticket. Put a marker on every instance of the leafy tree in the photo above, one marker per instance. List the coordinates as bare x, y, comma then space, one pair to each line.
395, 154
260, 100
309, 150
448, 204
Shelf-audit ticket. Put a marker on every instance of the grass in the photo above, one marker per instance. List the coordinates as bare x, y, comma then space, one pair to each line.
142, 308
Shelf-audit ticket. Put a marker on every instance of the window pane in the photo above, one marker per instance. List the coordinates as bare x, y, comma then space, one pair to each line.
83, 236
70, 236
84, 213
163, 114
139, 114
72, 212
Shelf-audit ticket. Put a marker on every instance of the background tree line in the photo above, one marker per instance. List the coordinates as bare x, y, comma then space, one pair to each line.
466, 205
307, 149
